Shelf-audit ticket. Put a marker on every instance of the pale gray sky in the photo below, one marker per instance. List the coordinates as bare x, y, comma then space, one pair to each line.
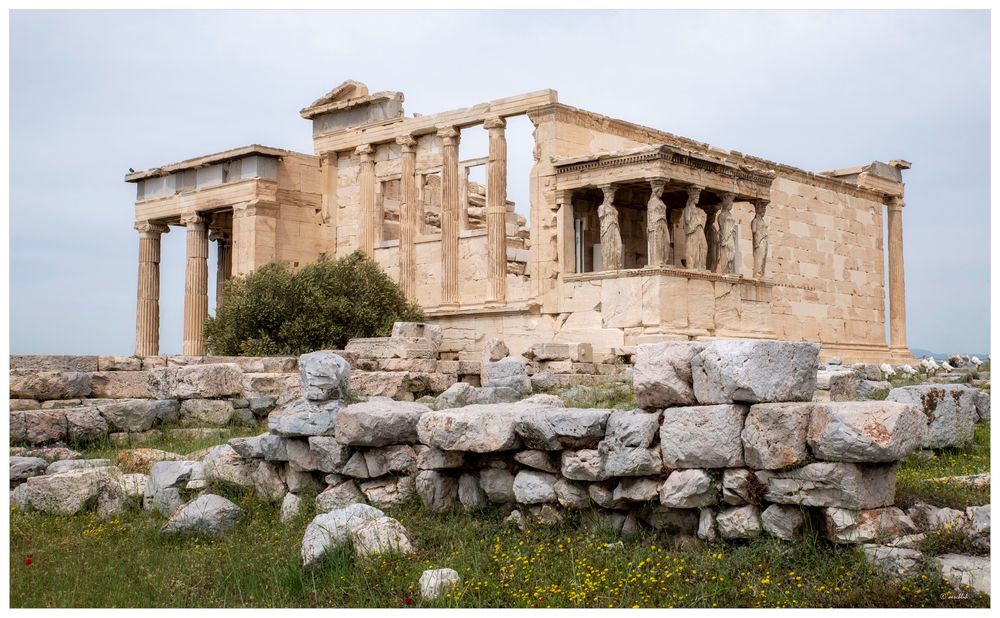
94, 93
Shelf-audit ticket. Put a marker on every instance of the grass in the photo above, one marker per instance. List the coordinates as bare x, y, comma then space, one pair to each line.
915, 478
168, 441
79, 561
611, 395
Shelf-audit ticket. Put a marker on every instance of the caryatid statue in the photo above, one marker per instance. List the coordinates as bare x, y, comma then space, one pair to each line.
696, 245
611, 236
759, 229
727, 235
658, 232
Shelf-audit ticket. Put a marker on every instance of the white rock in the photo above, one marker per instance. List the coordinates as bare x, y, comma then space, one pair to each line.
224, 464
302, 417
865, 526
339, 496
516, 518
636, 490
196, 381
582, 465
739, 522
617, 460
571, 495
23, 468
498, 485
737, 486
437, 491
494, 350
887, 369
894, 561
390, 491
707, 529
559, 428
845, 485
207, 515
632, 428
962, 570
67, 493
379, 536
662, 374
702, 436
482, 428
268, 483
324, 375
66, 465
470, 494
865, 431
508, 372
749, 370
688, 489
435, 583
533, 487
378, 422
330, 455
783, 521
539, 460
329, 531
291, 506
774, 435
950, 410
430, 458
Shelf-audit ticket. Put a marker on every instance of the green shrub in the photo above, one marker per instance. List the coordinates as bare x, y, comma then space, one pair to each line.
275, 311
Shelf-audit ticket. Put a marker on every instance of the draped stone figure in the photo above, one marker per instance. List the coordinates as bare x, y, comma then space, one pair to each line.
658, 233
611, 236
759, 229
694, 231
727, 235
711, 238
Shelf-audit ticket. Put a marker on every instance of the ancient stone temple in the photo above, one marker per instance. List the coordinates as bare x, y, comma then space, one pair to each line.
633, 234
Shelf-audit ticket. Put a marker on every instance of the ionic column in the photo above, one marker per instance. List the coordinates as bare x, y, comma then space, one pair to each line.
223, 261
449, 216
147, 310
496, 210
369, 211
408, 218
195, 285
897, 293
758, 229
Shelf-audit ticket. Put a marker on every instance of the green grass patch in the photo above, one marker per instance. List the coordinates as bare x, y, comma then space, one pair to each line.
915, 478
611, 395
170, 441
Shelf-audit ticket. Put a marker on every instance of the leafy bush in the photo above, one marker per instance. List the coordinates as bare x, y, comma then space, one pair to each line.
274, 311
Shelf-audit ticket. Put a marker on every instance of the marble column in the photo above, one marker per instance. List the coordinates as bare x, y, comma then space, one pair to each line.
758, 229
711, 237
408, 209
657, 228
496, 211
449, 216
147, 311
195, 285
726, 240
369, 211
897, 293
695, 243
611, 235
223, 261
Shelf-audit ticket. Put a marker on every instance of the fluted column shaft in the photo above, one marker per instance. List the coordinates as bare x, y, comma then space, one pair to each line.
449, 216
496, 211
408, 218
147, 311
897, 292
223, 262
369, 210
195, 285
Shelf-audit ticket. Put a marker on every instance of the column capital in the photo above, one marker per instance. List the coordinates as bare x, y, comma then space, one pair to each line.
727, 197
896, 204
760, 206
449, 135
193, 219
494, 122
657, 184
365, 151
222, 236
150, 229
407, 142
693, 193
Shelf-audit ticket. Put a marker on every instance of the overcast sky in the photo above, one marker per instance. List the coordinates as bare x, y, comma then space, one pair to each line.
94, 93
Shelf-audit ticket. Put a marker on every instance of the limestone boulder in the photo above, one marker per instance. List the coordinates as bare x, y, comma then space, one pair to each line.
982, 399
23, 468
662, 374
84, 425
708, 530
950, 410
865, 526
303, 417
207, 515
166, 480
783, 521
688, 489
40, 426
639, 489
894, 561
539, 460
389, 491
69, 492
301, 456
739, 522
755, 371
865, 431
291, 506
873, 389
224, 464
329, 531
379, 536
43, 385
553, 429
703, 436
483, 428
508, 372
470, 493
960, 570
268, 482
571, 495
839, 385
430, 458
196, 381
139, 414
435, 583
121, 385
274, 447
438, 492
76, 464
494, 350
324, 375
774, 435
618, 460
632, 428
455, 396
831, 484
582, 465
339, 496
330, 454
248, 447
378, 422
533, 487
206, 412
498, 484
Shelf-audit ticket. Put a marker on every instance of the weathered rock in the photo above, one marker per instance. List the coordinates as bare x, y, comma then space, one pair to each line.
84, 425
356, 466
206, 412
978, 518
274, 448
53, 362
672, 521
950, 410
542, 380
17, 405
23, 468
753, 371
142, 459
539, 460
478, 428
291, 506
455, 396
268, 483
48, 453
894, 561
546, 514
166, 479
516, 519
324, 375
301, 456
533, 487
602, 494
662, 374
840, 385
707, 528
498, 484
508, 372
470, 494
68, 493
138, 414
134, 487
249, 447
302, 417
338, 496
381, 535
783, 521
389, 491
494, 350
571, 495
196, 381
438, 492
330, 455
688, 489
617, 460
559, 428
41, 426
865, 526
583, 465
42, 385
121, 385
739, 522
207, 515
636, 490
873, 389
962, 570
328, 531
774, 435
632, 428
378, 422
702, 436
865, 431
435, 583
430, 458
223, 464
844, 485
299, 481
76, 464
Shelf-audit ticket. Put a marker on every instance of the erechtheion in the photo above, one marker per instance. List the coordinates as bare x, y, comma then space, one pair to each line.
634, 235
